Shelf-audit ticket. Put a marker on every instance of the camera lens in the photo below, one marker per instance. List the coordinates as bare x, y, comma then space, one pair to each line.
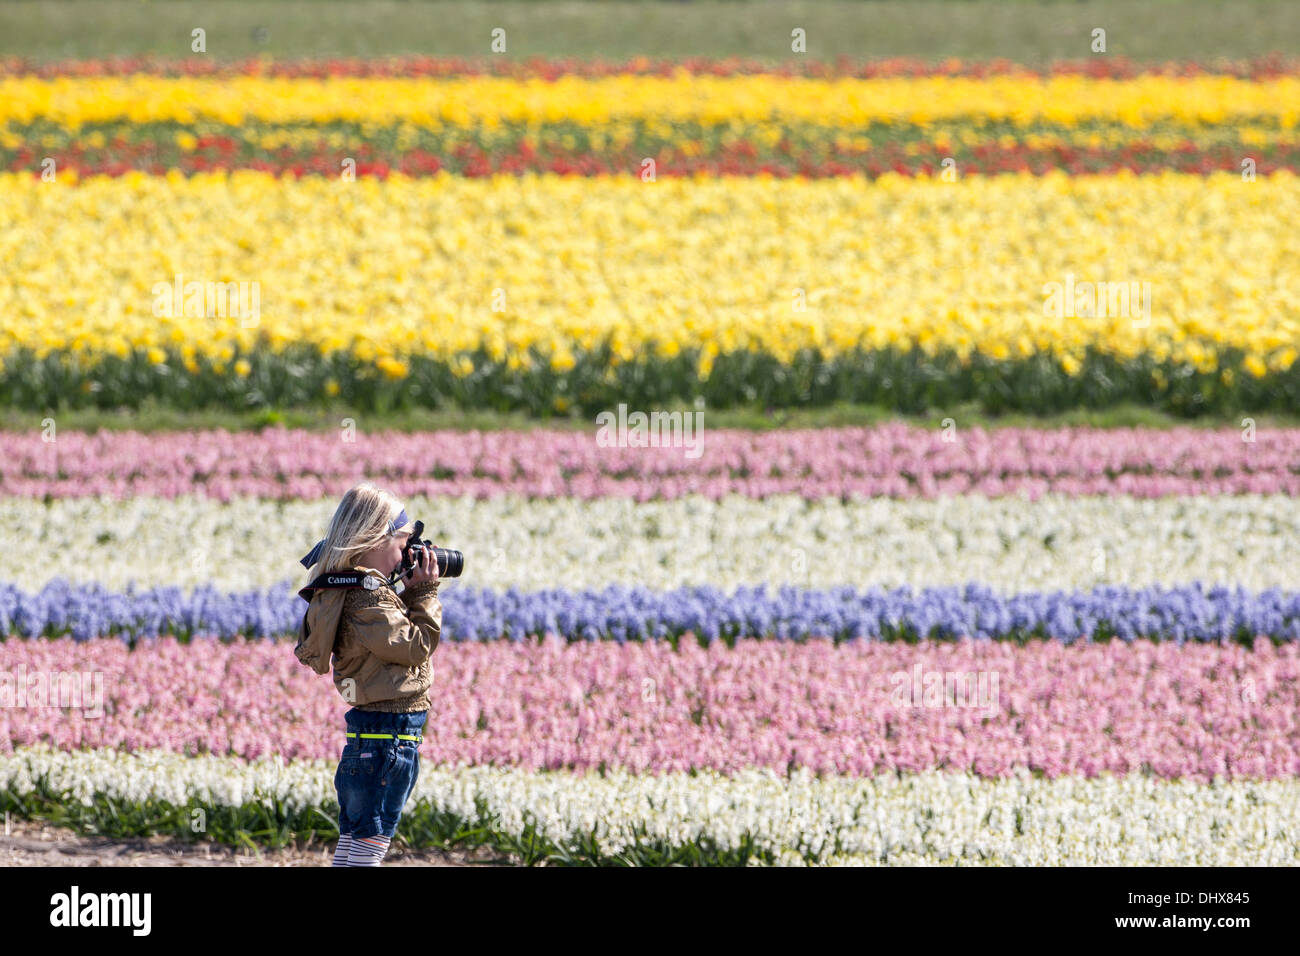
450, 563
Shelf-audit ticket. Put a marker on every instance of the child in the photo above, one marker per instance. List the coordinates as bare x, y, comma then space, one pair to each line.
381, 645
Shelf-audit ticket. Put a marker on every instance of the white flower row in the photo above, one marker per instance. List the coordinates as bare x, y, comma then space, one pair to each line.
926, 818
1011, 544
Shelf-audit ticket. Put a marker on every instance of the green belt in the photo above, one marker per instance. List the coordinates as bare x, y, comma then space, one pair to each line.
388, 736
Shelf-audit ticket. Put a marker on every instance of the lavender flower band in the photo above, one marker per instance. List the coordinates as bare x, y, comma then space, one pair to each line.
1186, 613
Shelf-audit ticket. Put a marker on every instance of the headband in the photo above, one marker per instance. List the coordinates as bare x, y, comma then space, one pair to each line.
309, 560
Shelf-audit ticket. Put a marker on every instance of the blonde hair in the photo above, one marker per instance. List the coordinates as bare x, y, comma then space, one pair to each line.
360, 523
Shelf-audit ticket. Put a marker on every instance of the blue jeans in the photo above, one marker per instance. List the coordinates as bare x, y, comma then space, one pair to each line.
376, 776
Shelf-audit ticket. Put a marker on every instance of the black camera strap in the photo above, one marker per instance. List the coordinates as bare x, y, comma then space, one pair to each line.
344, 579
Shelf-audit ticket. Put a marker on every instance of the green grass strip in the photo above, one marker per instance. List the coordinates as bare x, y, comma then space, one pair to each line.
1021, 30
904, 382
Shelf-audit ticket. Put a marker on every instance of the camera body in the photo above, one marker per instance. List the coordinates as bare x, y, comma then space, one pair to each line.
450, 563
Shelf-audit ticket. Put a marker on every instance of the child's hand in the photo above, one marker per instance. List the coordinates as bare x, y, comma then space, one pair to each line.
426, 568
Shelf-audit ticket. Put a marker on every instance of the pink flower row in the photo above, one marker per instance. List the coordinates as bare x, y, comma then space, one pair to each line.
892, 459
1194, 711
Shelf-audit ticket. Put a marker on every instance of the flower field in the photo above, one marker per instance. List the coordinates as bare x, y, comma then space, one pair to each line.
884, 645
549, 221
748, 677
922, 819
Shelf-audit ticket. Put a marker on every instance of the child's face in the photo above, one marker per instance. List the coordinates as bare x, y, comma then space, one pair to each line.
387, 556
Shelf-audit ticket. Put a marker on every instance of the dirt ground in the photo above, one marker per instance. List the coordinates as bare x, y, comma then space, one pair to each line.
31, 843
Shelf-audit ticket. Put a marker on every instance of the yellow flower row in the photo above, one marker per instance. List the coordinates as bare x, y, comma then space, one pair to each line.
489, 100
442, 265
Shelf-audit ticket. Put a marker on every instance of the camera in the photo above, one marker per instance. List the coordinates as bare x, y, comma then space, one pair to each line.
450, 563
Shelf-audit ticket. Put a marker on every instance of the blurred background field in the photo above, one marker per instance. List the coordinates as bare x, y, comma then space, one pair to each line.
1024, 31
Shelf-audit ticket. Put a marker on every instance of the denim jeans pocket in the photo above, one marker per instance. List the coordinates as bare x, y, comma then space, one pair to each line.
361, 760
397, 786
390, 761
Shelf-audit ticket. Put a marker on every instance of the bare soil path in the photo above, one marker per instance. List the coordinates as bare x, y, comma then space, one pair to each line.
34, 843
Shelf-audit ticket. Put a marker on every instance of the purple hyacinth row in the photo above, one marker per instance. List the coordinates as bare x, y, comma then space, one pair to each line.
632, 613
1195, 712
891, 459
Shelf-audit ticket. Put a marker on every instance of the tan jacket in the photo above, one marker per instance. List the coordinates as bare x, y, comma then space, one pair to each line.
381, 643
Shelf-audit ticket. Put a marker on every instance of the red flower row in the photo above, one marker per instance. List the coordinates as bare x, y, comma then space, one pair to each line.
740, 160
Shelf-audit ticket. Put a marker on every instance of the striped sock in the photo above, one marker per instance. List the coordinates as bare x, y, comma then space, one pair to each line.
368, 851
342, 850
